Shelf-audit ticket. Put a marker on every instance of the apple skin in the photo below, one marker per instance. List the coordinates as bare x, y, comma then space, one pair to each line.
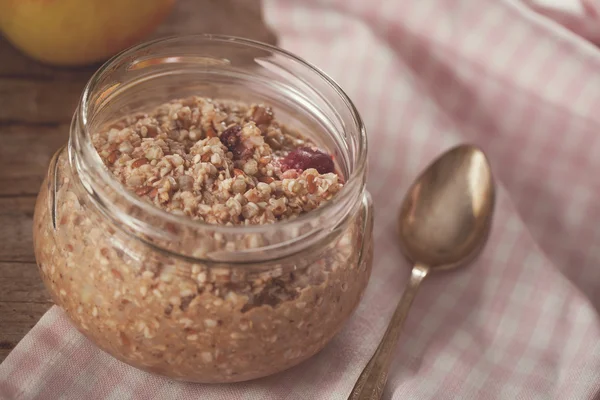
79, 32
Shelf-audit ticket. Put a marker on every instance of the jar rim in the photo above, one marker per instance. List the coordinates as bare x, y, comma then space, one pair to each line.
346, 194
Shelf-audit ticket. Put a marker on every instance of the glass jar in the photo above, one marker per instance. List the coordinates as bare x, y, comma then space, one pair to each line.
186, 299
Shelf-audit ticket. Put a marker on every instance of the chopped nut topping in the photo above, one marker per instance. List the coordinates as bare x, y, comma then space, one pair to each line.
187, 161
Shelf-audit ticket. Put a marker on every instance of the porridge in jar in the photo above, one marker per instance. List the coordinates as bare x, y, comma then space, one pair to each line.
219, 163
208, 219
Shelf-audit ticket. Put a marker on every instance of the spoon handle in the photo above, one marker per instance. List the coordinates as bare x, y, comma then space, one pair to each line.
371, 382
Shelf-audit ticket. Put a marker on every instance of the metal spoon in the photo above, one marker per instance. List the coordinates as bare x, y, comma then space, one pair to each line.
443, 223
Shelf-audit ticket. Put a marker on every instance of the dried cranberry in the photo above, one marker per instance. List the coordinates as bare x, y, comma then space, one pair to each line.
231, 138
305, 158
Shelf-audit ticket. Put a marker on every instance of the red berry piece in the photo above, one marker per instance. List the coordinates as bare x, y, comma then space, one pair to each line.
231, 138
305, 158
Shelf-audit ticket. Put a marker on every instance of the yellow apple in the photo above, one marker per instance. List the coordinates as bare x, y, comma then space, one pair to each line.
77, 32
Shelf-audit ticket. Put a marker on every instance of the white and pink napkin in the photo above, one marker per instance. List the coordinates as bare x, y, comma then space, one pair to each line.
580, 16
521, 323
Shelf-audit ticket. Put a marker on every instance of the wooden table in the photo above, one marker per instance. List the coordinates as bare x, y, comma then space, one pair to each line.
36, 105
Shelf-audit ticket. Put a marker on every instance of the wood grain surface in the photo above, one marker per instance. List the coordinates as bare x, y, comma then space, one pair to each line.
36, 105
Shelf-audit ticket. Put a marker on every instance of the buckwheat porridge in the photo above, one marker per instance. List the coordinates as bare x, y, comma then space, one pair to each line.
218, 163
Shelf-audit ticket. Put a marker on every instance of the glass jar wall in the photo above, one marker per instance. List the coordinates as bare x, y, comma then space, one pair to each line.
191, 300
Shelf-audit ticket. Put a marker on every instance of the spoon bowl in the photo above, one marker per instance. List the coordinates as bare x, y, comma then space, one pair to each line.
444, 223
446, 214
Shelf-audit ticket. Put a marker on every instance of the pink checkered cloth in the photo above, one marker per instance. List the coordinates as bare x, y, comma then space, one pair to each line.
580, 16
521, 323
